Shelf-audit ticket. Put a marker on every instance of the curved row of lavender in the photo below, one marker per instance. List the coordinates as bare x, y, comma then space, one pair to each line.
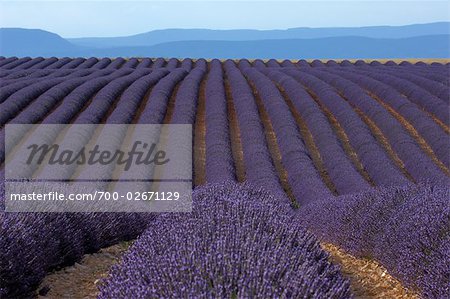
237, 243
302, 175
219, 164
184, 112
406, 229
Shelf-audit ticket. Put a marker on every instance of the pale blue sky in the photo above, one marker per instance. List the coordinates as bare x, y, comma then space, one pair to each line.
117, 18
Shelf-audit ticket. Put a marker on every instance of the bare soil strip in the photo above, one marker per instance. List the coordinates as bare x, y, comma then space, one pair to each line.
81, 280
343, 138
142, 105
163, 136
199, 137
235, 135
171, 104
85, 106
309, 142
379, 136
272, 143
413, 132
368, 279
443, 125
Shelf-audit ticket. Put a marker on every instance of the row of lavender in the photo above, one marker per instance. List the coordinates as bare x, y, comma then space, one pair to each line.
27, 63
58, 101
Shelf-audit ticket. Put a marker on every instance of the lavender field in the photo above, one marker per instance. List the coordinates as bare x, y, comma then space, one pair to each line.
286, 155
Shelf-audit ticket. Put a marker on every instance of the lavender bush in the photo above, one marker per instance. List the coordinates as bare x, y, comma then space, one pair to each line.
102, 63
407, 229
74, 63
54, 63
15, 63
219, 159
144, 63
237, 243
132, 62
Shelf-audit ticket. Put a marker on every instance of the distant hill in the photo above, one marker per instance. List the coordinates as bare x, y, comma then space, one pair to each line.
170, 35
434, 46
34, 42
393, 44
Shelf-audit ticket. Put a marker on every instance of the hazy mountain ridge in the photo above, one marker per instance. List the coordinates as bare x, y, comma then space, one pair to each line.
170, 35
394, 44
34, 42
333, 47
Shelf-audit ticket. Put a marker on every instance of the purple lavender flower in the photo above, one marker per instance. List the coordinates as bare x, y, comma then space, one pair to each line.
404, 228
237, 243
